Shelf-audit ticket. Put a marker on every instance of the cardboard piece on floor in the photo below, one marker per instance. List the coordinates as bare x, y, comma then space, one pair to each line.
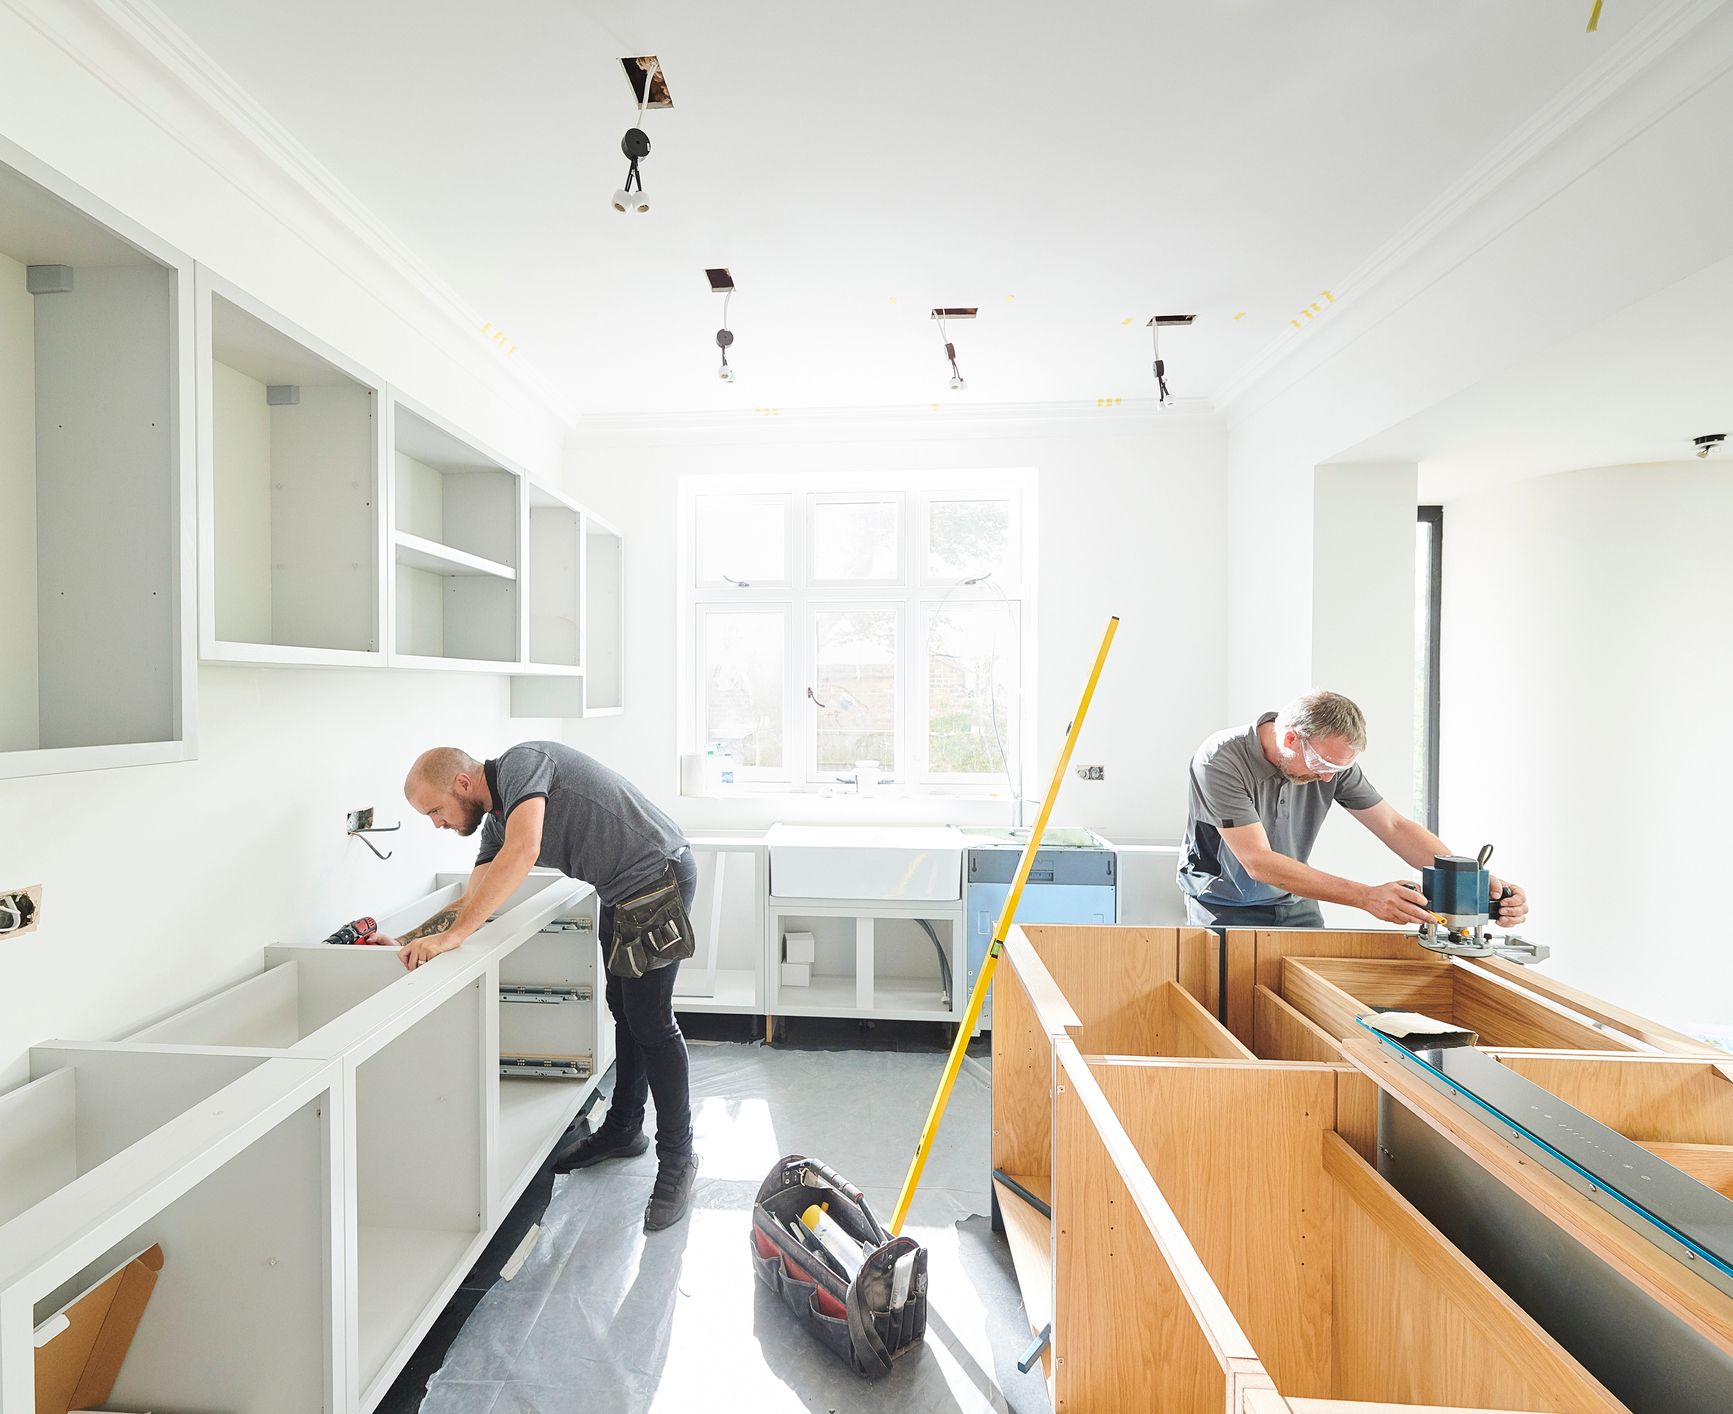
77, 1365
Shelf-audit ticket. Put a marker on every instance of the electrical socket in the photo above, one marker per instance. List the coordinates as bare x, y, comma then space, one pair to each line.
20, 911
1092, 773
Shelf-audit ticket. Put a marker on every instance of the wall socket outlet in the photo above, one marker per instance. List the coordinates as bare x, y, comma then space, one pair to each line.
20, 911
1092, 773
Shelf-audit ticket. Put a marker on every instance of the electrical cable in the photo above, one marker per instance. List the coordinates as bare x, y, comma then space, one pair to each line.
944, 961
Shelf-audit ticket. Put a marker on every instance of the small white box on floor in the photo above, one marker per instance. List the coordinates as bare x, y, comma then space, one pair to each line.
797, 974
798, 947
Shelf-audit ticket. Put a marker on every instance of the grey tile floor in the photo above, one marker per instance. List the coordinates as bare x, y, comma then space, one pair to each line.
605, 1318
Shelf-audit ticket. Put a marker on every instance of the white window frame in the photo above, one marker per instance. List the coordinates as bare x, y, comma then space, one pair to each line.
916, 595
896, 500
791, 511
791, 722
816, 775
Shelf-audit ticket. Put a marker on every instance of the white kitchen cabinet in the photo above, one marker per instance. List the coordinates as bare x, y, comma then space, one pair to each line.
291, 457
96, 481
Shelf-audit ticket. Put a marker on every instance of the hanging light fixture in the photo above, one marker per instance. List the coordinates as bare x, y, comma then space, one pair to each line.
722, 283
942, 316
1156, 324
636, 146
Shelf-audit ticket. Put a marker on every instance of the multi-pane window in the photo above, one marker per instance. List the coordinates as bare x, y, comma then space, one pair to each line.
862, 627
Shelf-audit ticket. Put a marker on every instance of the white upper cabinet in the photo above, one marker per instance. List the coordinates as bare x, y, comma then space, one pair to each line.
96, 483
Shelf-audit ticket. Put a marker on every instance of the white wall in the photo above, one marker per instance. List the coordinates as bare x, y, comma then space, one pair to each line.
164, 882
1592, 758
1130, 522
19, 718
1592, 217
1363, 644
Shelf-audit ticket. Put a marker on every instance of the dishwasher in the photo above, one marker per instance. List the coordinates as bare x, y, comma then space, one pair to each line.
1071, 882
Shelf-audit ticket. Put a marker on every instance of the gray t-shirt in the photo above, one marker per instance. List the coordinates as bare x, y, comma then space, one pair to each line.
598, 826
1232, 784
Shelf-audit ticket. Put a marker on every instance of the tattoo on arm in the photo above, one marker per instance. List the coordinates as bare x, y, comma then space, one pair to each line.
440, 922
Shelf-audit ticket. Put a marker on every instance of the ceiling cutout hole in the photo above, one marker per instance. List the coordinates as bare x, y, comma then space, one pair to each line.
636, 68
721, 282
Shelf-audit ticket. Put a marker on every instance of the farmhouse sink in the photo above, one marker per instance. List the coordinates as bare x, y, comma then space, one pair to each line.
920, 863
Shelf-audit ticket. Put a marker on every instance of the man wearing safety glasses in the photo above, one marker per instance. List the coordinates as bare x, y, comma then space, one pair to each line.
1259, 795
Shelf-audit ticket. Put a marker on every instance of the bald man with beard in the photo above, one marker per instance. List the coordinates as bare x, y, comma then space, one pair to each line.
542, 803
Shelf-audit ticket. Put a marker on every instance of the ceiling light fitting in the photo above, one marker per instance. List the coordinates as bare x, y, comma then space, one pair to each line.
1155, 326
1711, 443
722, 283
636, 146
942, 315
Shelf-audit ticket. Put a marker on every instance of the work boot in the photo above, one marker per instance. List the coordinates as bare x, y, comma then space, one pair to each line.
599, 1145
672, 1194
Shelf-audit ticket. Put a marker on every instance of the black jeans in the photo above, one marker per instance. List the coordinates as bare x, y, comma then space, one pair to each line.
649, 1051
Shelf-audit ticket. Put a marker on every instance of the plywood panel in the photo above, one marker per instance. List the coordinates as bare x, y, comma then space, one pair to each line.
1391, 984
1200, 966
1112, 978
1662, 1037
1333, 1010
1357, 1113
1022, 1080
1188, 1030
1280, 1032
1504, 1015
1235, 1149
1030, 1238
1645, 1098
1255, 959
1416, 1320
1709, 1164
1124, 1335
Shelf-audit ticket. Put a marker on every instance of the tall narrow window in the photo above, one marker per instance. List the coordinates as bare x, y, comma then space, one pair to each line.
1428, 615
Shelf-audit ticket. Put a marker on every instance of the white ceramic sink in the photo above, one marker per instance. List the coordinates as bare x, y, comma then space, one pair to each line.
893, 863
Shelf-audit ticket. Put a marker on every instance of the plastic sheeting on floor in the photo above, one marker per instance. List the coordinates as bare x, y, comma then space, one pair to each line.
603, 1317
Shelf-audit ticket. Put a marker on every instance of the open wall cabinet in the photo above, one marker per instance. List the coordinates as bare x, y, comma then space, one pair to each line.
291, 457
574, 660
96, 481
457, 547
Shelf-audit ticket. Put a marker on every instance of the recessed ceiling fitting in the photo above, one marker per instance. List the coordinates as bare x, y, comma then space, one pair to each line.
636, 146
722, 283
636, 70
943, 316
1156, 324
1710, 443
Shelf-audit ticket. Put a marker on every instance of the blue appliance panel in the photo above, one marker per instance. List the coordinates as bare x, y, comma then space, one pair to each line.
1065, 886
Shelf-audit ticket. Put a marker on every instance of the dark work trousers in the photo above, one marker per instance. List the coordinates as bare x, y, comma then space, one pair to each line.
649, 1051
1301, 913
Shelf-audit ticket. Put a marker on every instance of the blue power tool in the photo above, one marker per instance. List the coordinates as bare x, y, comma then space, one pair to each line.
1459, 896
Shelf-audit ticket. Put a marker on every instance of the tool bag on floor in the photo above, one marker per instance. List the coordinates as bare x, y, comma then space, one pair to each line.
855, 1318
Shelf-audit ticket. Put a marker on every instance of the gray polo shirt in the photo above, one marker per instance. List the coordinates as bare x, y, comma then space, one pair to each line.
597, 825
1232, 784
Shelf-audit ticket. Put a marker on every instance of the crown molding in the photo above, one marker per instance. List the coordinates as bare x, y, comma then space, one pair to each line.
1374, 289
1068, 418
136, 50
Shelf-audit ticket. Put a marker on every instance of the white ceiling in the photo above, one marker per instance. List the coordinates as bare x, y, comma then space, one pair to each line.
1632, 389
1066, 168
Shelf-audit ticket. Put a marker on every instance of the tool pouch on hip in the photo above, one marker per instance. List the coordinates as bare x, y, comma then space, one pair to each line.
859, 1319
651, 930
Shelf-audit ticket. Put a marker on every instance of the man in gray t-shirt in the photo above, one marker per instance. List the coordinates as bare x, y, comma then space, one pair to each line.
542, 803
1258, 798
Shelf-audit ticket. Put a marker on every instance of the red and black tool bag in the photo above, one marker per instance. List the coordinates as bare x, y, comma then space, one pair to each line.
854, 1318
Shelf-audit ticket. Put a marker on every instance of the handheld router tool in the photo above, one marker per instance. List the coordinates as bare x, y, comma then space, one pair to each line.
1459, 893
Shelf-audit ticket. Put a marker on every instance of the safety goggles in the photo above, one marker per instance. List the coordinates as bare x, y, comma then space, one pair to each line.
1321, 765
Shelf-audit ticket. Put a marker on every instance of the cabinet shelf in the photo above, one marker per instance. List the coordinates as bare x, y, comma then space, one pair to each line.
420, 554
